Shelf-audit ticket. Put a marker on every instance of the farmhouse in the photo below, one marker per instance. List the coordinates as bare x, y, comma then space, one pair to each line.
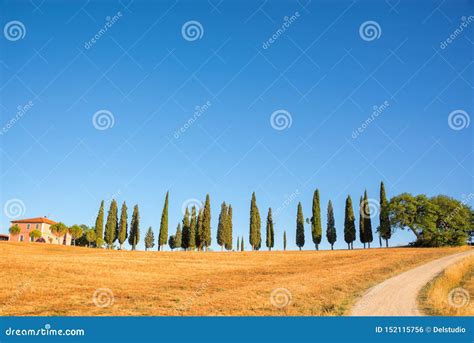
42, 224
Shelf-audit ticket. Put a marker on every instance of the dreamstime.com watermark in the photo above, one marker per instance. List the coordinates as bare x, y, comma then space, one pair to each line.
45, 331
459, 297
103, 297
109, 22
287, 22
198, 112
288, 200
377, 110
281, 297
21, 111
465, 22
22, 288
191, 299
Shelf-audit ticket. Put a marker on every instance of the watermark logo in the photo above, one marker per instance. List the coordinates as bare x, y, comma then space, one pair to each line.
280, 297
287, 22
192, 30
370, 30
190, 203
458, 120
21, 111
103, 120
377, 110
370, 208
281, 120
14, 208
458, 297
14, 30
103, 297
198, 112
465, 22
109, 22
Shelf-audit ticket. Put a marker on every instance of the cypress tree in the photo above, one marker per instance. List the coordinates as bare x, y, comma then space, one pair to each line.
362, 235
111, 225
349, 223
316, 228
255, 238
284, 240
300, 227
367, 220
238, 244
199, 230
385, 230
149, 239
222, 226
134, 236
331, 228
171, 242
192, 229
99, 222
177, 237
242, 246
206, 224
163, 236
228, 244
270, 233
186, 231
123, 226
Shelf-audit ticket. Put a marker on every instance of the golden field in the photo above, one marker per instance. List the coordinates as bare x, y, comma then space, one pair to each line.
450, 293
44, 280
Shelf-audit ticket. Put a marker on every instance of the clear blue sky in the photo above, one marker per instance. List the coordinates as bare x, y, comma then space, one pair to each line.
319, 69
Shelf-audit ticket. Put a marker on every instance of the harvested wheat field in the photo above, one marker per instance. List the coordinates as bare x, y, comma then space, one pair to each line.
45, 280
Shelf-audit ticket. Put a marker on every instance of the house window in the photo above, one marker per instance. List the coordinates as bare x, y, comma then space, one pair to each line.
22, 238
37, 226
28, 226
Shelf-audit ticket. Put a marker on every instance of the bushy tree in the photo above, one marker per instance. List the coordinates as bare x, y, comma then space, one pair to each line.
90, 236
75, 231
172, 242
299, 227
349, 224
163, 236
255, 238
149, 239
270, 231
59, 229
111, 225
99, 222
123, 225
14, 230
331, 227
134, 236
35, 234
316, 228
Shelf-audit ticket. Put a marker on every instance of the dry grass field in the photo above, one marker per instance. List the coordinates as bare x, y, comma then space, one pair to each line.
450, 293
40, 279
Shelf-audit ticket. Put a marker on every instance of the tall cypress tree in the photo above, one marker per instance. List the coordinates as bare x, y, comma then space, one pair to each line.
99, 222
238, 244
349, 223
134, 236
163, 236
284, 240
206, 223
192, 229
270, 233
331, 228
199, 230
362, 235
228, 240
300, 227
221, 226
149, 239
385, 229
186, 231
316, 228
123, 225
242, 246
255, 238
177, 237
367, 220
111, 224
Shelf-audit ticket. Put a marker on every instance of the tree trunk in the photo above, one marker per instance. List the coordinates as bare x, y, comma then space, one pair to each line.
386, 243
332, 247
368, 245
364, 245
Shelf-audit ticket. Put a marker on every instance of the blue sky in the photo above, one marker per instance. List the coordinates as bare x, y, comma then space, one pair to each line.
322, 72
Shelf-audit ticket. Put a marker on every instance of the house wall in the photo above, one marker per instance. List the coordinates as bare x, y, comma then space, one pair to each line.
49, 237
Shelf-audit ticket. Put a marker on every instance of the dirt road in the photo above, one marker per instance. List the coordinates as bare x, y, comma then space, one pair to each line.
397, 296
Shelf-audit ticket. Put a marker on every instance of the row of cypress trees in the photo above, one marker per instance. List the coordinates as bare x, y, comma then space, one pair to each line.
194, 232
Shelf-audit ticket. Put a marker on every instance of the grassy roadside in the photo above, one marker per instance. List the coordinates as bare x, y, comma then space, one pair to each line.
451, 292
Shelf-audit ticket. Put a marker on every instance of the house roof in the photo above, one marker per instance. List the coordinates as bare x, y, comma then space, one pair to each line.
35, 220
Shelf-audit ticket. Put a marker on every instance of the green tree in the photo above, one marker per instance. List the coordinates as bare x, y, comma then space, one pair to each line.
59, 230
35, 234
300, 227
362, 235
367, 220
192, 229
238, 244
111, 224
199, 230
255, 238
172, 242
206, 224
163, 236
385, 230
331, 227
316, 228
270, 231
14, 230
349, 224
123, 225
149, 239
134, 236
229, 226
222, 226
99, 222
76, 232
284, 240
177, 237
90, 236
242, 246
186, 230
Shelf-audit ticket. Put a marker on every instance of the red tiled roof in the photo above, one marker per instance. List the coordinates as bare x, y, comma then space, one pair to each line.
35, 220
